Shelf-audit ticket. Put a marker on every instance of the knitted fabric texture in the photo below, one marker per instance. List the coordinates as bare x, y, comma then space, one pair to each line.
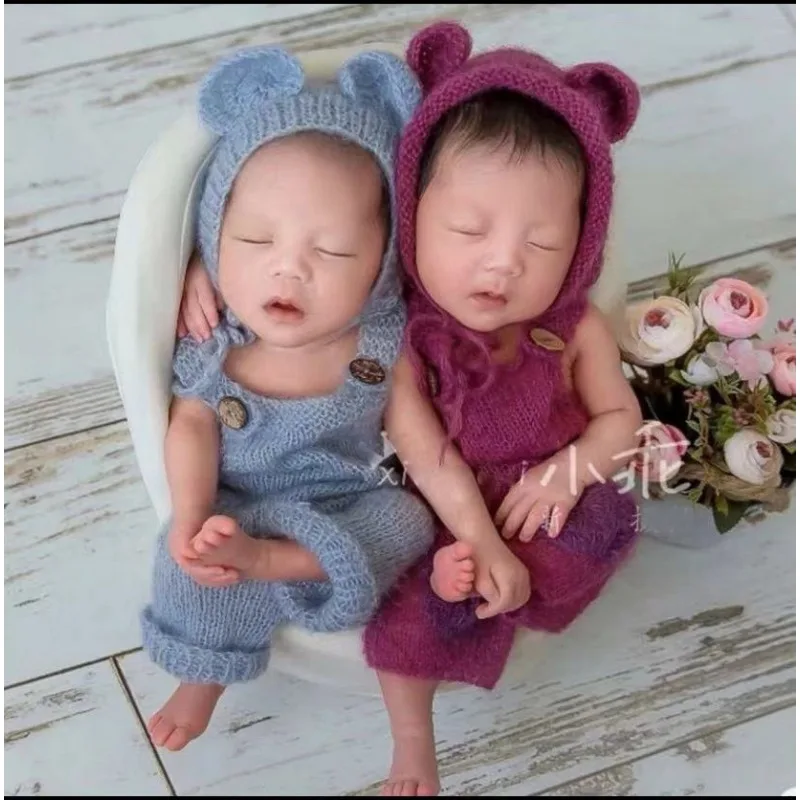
304, 468
506, 418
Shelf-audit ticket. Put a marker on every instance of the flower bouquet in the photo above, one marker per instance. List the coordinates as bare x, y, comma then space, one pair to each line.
717, 396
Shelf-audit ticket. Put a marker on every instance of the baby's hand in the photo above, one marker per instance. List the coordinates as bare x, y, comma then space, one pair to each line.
501, 579
543, 498
179, 542
200, 302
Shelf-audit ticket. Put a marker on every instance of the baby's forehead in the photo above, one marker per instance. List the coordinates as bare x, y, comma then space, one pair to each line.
459, 161
321, 173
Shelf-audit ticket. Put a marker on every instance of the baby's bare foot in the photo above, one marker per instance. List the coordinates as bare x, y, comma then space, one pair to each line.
414, 771
221, 542
453, 575
185, 715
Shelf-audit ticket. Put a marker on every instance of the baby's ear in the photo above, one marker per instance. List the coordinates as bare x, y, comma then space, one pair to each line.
381, 81
437, 50
249, 77
615, 95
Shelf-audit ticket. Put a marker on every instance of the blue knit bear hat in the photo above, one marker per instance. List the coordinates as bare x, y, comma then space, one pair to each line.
261, 94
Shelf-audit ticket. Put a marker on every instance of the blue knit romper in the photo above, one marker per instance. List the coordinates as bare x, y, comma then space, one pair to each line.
306, 469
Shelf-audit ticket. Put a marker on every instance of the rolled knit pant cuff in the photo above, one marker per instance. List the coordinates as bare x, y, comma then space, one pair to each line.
193, 664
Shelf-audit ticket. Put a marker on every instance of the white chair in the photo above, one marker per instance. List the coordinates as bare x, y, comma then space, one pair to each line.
153, 245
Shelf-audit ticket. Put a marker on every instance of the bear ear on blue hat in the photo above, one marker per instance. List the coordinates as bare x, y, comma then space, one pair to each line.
384, 82
248, 77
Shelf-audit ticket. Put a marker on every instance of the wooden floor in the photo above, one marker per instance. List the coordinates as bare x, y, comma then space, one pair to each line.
680, 680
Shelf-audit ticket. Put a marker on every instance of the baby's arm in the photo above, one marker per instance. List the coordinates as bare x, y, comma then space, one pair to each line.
608, 398
191, 453
551, 489
448, 484
192, 460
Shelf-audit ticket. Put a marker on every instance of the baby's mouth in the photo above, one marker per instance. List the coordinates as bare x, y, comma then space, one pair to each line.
490, 299
284, 310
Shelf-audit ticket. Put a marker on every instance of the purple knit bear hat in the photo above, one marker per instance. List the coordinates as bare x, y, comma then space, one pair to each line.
599, 102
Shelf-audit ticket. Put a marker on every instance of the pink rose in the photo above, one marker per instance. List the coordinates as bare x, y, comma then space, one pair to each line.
752, 363
657, 331
782, 372
753, 458
660, 452
733, 307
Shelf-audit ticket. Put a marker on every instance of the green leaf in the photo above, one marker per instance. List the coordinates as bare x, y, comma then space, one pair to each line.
676, 377
695, 494
735, 511
721, 504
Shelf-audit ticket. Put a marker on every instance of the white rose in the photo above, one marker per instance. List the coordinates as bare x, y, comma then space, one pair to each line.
782, 426
753, 458
699, 372
660, 330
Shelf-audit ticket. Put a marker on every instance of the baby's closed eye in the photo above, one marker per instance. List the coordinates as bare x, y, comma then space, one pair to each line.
335, 252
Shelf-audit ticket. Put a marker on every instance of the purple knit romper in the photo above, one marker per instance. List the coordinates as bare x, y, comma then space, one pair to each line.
506, 418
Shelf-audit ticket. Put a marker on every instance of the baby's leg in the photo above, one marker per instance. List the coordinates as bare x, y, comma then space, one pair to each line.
221, 541
364, 542
205, 637
409, 704
453, 576
185, 716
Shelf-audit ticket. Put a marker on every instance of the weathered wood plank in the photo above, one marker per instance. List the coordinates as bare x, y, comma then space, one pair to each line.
755, 759
703, 173
683, 161
66, 172
47, 36
56, 290
682, 644
789, 10
77, 734
78, 538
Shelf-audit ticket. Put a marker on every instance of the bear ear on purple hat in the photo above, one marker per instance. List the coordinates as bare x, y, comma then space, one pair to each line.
437, 50
615, 95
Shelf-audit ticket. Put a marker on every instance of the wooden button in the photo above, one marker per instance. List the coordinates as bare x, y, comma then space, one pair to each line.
433, 381
367, 371
547, 340
232, 412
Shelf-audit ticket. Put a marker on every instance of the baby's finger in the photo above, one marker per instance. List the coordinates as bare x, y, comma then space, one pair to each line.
491, 594
189, 551
182, 329
197, 324
532, 523
509, 501
208, 302
558, 516
517, 517
214, 538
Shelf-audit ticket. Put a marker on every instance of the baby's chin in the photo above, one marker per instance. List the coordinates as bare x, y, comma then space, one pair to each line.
490, 320
305, 333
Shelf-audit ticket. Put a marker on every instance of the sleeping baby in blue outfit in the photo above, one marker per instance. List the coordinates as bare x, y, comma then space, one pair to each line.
279, 512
